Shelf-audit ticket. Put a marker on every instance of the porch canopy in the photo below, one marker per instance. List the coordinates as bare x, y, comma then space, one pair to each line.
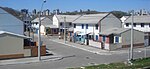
114, 31
51, 26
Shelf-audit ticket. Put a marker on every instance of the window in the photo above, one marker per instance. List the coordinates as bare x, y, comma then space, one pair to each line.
104, 38
70, 24
74, 25
96, 26
86, 26
134, 24
60, 24
142, 24
127, 24
82, 26
116, 39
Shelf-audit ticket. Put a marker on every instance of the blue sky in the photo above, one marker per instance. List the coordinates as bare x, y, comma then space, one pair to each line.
72, 5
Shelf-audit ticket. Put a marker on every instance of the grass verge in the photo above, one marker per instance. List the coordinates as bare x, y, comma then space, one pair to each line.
142, 63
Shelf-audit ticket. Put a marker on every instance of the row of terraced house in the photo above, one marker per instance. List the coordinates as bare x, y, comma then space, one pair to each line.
103, 30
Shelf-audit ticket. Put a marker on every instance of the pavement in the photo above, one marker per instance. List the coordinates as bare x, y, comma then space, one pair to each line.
29, 60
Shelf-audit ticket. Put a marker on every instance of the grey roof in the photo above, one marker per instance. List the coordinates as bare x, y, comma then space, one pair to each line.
113, 31
69, 18
11, 11
139, 19
37, 19
91, 18
50, 17
44, 21
17, 35
7, 12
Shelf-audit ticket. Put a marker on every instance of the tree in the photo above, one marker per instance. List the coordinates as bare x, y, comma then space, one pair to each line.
119, 14
12, 11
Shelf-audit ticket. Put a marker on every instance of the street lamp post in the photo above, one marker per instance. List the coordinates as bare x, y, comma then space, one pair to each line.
64, 29
145, 55
130, 54
131, 50
39, 34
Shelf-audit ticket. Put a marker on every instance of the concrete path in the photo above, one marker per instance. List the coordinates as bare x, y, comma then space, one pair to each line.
29, 60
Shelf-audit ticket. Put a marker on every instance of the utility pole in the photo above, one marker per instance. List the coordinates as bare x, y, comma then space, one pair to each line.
128, 54
131, 50
39, 38
39, 33
145, 55
64, 29
145, 45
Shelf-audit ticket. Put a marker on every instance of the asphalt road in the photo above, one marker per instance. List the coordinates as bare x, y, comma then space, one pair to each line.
72, 57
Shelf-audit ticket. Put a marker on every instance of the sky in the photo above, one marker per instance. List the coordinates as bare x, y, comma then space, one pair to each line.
72, 5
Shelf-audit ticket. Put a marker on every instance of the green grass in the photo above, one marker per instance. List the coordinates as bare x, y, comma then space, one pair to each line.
137, 64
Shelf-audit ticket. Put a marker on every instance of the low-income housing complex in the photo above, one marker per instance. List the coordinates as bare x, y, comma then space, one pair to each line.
92, 24
141, 23
103, 30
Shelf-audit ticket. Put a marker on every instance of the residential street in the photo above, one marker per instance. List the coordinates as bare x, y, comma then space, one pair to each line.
56, 34
74, 57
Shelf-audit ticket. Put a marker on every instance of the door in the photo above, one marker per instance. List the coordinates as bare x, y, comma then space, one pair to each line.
96, 37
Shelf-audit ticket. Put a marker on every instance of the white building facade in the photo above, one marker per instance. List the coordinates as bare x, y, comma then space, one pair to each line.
141, 23
64, 21
92, 24
45, 23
